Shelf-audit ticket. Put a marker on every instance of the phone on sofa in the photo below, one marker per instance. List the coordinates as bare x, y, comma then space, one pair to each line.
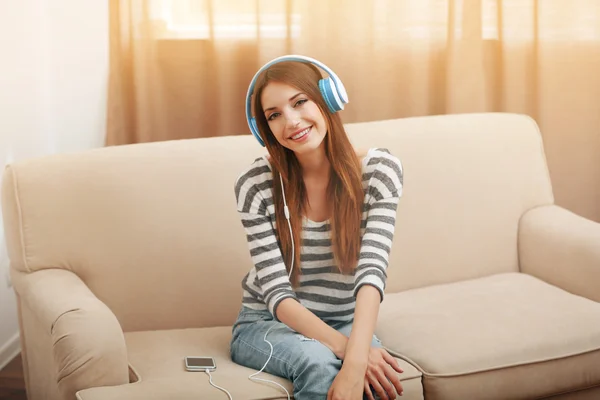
194, 363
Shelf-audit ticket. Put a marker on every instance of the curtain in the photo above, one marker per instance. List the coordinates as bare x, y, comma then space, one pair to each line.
181, 68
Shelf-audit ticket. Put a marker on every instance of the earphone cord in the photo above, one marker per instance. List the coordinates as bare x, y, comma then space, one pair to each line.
286, 211
216, 386
252, 377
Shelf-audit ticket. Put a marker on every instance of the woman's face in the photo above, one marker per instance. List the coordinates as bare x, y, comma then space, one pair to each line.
296, 121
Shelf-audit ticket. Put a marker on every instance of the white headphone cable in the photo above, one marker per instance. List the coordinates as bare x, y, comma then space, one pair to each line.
252, 377
218, 387
286, 211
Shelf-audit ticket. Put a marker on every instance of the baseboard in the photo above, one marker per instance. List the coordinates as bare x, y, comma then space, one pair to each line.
9, 350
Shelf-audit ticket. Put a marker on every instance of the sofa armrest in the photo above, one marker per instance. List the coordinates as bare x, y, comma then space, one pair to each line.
562, 249
86, 338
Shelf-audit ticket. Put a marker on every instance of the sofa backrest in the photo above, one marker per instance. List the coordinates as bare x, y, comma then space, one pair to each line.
153, 231
468, 178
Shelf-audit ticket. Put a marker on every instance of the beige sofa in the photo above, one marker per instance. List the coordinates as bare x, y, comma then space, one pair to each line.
127, 259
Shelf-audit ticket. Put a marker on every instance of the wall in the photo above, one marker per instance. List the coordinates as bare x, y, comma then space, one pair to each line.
569, 116
53, 75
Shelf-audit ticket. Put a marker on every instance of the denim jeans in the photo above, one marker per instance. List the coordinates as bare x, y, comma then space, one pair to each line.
309, 364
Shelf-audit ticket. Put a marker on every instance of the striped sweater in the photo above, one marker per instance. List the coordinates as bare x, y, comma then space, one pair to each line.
323, 289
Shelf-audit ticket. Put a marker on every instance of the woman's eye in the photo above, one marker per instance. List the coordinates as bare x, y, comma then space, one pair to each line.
300, 102
273, 116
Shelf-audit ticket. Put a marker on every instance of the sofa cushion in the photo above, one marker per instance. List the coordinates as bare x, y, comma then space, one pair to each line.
156, 357
505, 336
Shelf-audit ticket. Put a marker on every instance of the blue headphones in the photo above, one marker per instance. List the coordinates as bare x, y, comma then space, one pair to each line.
332, 89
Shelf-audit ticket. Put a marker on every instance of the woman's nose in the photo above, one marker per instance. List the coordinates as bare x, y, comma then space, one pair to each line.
292, 118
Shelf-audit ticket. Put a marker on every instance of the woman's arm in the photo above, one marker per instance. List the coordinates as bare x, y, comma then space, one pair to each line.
384, 191
365, 318
352, 380
377, 367
305, 322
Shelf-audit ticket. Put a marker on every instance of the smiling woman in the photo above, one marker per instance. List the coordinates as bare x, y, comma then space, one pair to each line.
289, 96
340, 208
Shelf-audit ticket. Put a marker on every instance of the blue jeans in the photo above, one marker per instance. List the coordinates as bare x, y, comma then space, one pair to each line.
309, 364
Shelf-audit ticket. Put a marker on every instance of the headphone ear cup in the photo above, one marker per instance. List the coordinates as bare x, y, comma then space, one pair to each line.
330, 95
255, 132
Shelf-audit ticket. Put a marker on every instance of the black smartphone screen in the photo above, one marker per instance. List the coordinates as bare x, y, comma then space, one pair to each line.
200, 362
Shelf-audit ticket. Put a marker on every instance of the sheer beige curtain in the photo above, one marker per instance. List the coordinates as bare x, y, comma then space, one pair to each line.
180, 68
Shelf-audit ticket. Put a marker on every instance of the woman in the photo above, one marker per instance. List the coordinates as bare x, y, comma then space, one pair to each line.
318, 301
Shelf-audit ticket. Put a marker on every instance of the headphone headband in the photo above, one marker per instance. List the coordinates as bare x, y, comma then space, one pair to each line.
332, 89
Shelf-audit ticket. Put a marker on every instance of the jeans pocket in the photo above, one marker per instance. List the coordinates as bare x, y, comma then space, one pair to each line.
250, 315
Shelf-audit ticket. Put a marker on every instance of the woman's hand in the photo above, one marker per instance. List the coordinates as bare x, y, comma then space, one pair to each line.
348, 384
382, 375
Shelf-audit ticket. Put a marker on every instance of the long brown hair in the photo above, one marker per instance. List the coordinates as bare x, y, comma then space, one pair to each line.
344, 191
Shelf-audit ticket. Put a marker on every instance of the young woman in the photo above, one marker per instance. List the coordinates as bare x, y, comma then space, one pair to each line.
317, 282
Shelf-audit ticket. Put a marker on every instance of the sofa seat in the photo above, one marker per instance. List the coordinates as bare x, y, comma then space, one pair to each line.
158, 372
505, 336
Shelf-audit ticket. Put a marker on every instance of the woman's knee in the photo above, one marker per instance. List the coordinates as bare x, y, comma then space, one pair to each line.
309, 364
315, 371
249, 348
318, 365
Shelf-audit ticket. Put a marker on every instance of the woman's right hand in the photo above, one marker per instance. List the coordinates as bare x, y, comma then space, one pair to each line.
382, 375
346, 385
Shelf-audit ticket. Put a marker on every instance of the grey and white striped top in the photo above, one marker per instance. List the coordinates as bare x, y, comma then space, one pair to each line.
323, 289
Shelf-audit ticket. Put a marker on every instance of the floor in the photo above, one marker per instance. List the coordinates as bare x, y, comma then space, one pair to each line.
12, 383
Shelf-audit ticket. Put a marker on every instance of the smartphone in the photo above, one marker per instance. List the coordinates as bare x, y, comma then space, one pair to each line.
193, 363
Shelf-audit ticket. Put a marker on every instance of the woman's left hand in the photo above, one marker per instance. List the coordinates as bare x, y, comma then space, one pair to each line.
382, 375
